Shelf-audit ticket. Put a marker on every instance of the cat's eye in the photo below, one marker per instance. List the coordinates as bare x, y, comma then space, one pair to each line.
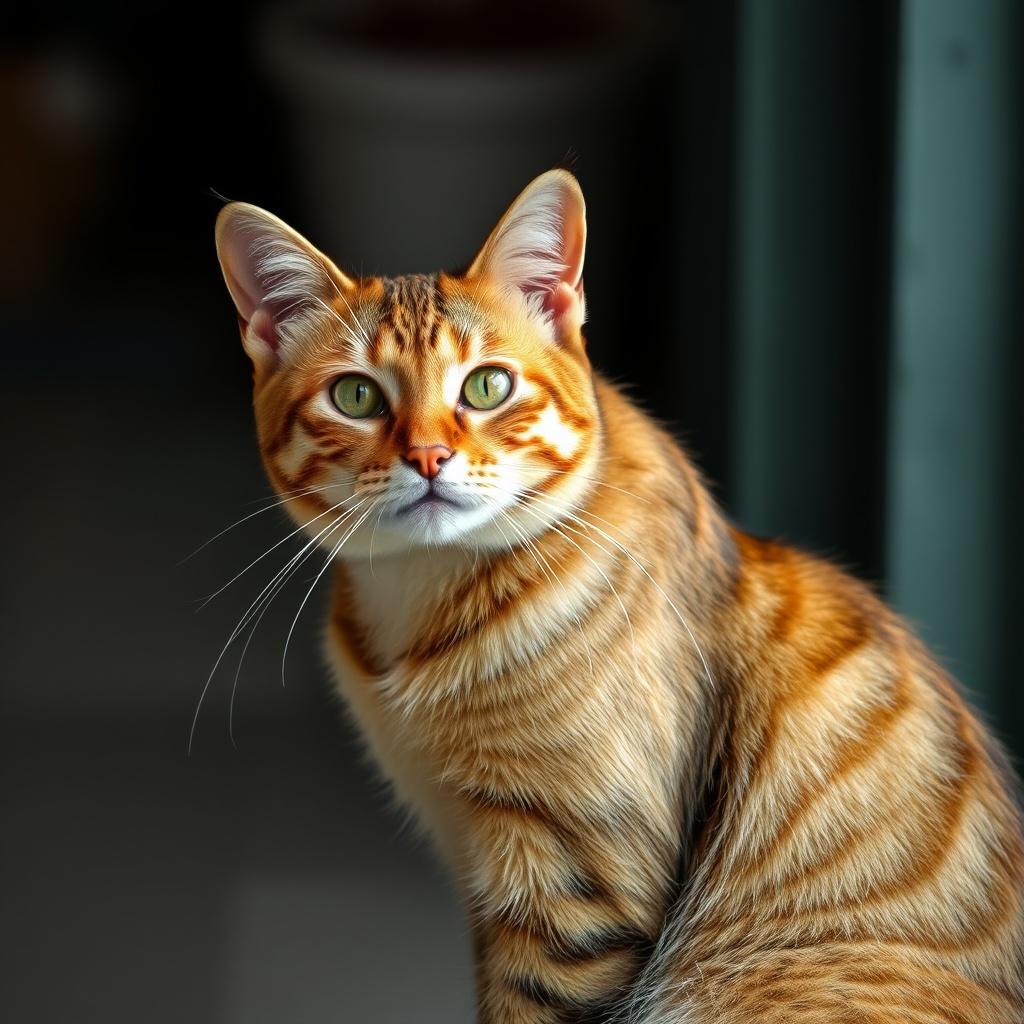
357, 396
487, 387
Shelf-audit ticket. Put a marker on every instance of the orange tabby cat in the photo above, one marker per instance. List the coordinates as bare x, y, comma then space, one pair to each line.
681, 774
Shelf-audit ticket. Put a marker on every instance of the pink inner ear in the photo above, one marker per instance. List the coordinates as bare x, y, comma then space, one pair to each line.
560, 300
263, 326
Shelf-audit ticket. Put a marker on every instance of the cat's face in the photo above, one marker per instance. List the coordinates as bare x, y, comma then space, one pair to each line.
421, 410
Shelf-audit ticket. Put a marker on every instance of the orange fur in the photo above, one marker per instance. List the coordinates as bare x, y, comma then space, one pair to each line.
677, 771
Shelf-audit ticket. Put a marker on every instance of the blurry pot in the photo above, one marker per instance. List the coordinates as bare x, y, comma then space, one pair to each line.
414, 128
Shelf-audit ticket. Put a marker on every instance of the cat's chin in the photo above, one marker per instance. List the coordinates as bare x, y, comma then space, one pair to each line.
433, 519
427, 523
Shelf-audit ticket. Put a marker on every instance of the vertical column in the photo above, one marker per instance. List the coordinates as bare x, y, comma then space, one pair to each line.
813, 243
957, 275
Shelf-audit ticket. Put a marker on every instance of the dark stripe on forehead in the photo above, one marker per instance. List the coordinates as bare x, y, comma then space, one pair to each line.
411, 309
415, 292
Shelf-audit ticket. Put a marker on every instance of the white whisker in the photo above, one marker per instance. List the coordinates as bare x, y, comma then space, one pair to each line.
591, 526
362, 329
276, 503
326, 565
383, 506
273, 547
246, 618
534, 549
553, 526
597, 481
353, 337
283, 578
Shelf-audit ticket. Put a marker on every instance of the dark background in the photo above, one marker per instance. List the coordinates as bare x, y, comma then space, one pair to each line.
805, 254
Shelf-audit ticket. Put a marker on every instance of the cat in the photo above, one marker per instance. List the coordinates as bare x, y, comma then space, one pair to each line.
679, 773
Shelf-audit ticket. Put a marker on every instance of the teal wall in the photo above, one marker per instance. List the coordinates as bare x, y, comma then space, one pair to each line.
950, 552
878, 274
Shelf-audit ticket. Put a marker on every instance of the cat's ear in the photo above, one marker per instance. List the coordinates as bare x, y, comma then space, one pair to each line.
536, 251
275, 277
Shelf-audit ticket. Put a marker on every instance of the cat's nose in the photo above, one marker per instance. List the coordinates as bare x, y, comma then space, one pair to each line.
427, 459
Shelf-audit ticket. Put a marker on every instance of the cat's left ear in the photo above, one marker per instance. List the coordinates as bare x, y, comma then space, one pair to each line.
536, 252
276, 279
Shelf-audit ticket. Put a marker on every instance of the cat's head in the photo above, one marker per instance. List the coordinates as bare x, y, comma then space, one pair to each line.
421, 410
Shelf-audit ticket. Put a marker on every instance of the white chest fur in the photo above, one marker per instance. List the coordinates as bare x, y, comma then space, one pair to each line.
394, 596
392, 603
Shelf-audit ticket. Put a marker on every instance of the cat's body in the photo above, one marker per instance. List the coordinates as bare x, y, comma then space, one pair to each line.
679, 774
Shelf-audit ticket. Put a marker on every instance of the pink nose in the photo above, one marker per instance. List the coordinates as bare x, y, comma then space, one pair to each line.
427, 459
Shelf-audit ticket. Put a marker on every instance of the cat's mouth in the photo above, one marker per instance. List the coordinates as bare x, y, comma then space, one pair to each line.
431, 499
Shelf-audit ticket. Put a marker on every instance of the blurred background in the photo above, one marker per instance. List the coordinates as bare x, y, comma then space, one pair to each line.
821, 205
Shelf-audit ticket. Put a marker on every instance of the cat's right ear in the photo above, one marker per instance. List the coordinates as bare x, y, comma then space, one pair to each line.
275, 277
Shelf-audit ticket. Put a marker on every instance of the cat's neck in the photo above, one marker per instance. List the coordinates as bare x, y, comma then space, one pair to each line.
394, 595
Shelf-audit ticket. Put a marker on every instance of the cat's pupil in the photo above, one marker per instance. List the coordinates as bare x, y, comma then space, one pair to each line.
360, 394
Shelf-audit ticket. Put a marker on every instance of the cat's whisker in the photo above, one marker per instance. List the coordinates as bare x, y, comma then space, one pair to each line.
288, 493
277, 503
359, 324
273, 547
589, 557
245, 619
355, 338
283, 578
334, 551
679, 615
383, 506
597, 481
534, 548
566, 512
296, 560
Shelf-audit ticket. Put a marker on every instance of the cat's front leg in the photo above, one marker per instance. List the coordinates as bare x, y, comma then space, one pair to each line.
525, 976
562, 920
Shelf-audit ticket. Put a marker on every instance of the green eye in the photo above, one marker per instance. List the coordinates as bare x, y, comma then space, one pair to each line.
487, 387
357, 396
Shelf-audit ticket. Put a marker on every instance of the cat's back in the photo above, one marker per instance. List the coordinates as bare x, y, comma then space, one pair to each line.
861, 829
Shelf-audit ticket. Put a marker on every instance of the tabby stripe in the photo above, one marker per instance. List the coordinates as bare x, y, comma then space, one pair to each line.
943, 979
565, 948
307, 470
556, 392
876, 731
791, 604
597, 945
318, 429
352, 640
535, 811
284, 433
441, 642
385, 326
537, 992
851, 635
943, 841
565, 463
896, 1009
585, 981
435, 327
582, 837
845, 643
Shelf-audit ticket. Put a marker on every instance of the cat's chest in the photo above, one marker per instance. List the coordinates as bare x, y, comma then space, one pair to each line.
396, 600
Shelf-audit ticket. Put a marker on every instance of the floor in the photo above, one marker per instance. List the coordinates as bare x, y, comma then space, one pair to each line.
261, 886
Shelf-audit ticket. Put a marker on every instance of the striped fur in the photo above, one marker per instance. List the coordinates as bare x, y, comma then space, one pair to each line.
679, 773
